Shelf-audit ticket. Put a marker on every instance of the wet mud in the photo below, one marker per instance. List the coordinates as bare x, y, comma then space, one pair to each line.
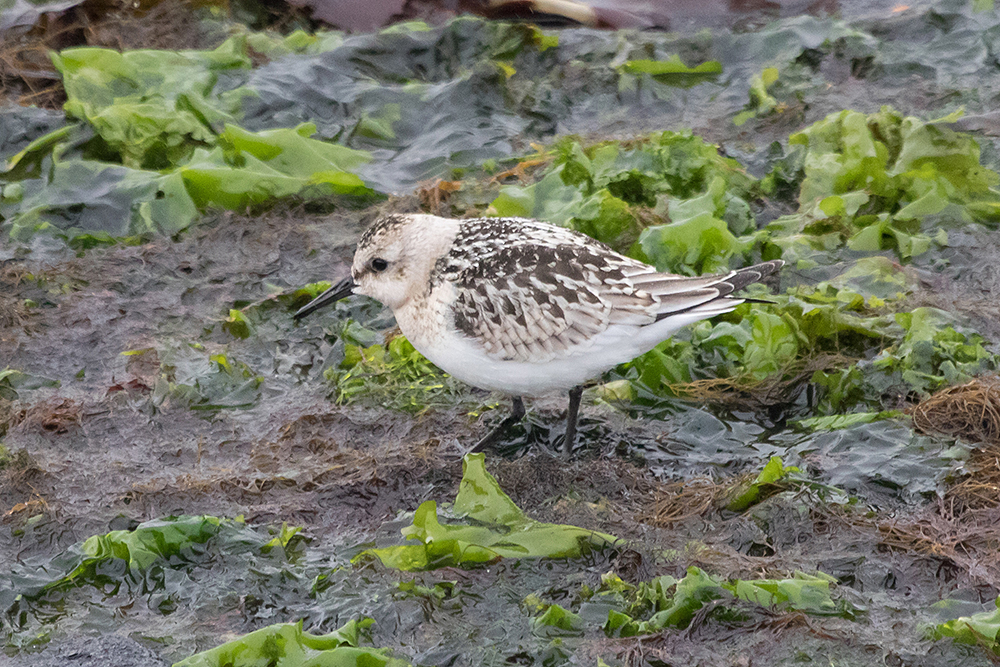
100, 452
162, 375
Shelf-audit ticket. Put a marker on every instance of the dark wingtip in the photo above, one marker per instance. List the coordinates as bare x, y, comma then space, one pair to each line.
735, 281
753, 274
337, 292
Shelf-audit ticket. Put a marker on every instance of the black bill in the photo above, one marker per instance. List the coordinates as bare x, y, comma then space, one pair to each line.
344, 288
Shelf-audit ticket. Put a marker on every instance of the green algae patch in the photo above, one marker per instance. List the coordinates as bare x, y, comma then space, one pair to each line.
141, 547
881, 181
392, 375
154, 107
124, 556
288, 645
839, 337
837, 422
249, 168
666, 602
488, 526
981, 629
773, 472
167, 565
156, 140
802, 592
761, 101
557, 621
612, 190
765, 341
196, 378
13, 380
151, 107
774, 478
90, 203
932, 353
673, 71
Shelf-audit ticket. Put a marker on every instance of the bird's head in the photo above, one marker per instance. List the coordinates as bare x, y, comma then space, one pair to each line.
395, 256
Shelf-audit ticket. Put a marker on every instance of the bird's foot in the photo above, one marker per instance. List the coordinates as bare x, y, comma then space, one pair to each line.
493, 437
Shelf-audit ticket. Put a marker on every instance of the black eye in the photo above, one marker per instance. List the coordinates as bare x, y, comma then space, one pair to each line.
379, 264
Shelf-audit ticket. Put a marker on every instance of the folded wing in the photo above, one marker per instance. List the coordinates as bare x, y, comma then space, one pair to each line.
531, 302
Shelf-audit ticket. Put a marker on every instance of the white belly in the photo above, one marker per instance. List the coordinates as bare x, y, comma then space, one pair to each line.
463, 358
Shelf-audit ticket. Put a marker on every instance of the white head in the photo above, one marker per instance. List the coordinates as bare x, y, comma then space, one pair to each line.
395, 256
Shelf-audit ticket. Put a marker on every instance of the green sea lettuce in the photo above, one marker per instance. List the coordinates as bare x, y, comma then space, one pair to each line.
288, 645
488, 527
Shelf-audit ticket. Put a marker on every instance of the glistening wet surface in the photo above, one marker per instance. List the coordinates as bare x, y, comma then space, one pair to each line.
163, 389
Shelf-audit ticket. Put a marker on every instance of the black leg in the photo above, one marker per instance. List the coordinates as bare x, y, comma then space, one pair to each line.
574, 409
491, 439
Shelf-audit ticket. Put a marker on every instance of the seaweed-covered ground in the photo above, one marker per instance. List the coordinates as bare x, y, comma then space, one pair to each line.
812, 479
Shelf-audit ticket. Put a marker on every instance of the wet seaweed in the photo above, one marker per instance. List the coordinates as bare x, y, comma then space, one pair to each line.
185, 387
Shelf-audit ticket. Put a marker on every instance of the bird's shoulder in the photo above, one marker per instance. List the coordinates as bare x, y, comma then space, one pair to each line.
515, 248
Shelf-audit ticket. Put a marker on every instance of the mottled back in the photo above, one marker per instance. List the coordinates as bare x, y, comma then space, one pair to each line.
529, 291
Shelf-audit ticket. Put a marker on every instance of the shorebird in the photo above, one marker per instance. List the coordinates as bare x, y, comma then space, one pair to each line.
525, 307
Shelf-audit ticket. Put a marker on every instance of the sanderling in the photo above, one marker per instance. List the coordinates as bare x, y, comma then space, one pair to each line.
525, 307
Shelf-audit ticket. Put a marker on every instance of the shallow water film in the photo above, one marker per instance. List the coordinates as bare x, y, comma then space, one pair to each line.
189, 476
